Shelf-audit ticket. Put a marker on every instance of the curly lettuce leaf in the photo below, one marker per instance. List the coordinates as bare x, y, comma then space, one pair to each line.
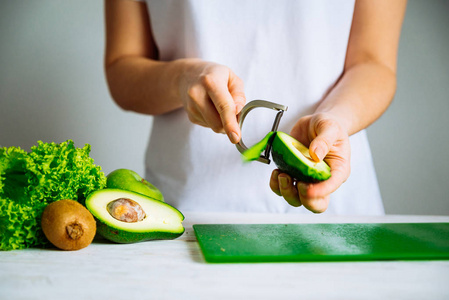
30, 181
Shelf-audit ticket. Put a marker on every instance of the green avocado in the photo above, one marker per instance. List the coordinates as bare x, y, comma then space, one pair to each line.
129, 180
291, 157
128, 217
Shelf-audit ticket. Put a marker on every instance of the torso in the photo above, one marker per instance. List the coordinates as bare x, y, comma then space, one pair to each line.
292, 53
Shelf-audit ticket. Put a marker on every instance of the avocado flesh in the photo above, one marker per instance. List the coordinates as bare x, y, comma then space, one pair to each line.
293, 158
162, 220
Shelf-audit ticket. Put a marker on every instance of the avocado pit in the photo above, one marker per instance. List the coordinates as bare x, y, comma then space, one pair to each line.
126, 210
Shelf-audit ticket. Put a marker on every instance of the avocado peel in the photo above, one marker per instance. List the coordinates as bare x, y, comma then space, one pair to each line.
129, 180
254, 152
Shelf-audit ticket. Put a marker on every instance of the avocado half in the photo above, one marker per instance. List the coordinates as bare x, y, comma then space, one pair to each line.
158, 221
291, 157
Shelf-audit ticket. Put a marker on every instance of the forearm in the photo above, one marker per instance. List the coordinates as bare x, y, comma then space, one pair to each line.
143, 85
361, 96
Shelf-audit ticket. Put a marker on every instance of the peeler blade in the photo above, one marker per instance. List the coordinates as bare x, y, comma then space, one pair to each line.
241, 147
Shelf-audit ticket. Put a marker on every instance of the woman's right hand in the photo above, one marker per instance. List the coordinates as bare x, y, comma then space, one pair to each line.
212, 96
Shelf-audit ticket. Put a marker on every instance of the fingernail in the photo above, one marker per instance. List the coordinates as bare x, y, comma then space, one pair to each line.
233, 137
319, 153
284, 182
302, 188
275, 175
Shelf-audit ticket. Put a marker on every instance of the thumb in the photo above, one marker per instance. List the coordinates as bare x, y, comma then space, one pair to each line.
326, 136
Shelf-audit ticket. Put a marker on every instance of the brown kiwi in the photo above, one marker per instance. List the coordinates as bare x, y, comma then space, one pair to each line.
68, 225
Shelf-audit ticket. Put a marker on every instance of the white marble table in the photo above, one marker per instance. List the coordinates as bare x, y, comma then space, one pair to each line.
176, 270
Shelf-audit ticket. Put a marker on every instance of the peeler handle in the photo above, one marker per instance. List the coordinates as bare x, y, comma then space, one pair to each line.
255, 104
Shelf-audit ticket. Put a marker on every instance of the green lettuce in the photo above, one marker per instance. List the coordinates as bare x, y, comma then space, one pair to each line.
29, 181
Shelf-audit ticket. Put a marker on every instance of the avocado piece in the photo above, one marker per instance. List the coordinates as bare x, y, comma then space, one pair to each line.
253, 152
128, 217
291, 157
129, 180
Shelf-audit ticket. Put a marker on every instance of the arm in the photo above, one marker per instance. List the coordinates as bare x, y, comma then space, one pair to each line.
368, 84
364, 91
211, 94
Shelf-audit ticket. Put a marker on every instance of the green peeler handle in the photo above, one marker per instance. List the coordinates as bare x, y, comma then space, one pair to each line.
255, 104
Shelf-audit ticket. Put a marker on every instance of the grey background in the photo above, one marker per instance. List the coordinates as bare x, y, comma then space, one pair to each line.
52, 88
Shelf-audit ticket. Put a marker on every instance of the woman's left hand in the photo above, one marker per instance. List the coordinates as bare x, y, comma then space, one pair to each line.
327, 139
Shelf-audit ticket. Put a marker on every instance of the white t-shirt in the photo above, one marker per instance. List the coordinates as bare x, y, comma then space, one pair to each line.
289, 52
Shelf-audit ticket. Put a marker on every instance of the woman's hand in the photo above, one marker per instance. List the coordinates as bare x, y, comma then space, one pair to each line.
327, 139
212, 96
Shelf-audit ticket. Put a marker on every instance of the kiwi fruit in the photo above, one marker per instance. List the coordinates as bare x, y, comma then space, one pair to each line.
68, 225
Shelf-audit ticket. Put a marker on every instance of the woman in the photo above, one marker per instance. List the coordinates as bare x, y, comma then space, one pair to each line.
186, 62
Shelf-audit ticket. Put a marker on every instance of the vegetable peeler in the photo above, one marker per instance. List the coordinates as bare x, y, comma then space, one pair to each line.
264, 158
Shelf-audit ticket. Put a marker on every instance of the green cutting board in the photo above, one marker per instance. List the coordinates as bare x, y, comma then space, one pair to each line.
230, 243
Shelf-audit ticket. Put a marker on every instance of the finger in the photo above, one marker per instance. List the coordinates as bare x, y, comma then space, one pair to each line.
224, 104
211, 116
327, 133
301, 130
274, 182
236, 89
194, 115
201, 110
320, 190
316, 205
197, 120
195, 93
288, 190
